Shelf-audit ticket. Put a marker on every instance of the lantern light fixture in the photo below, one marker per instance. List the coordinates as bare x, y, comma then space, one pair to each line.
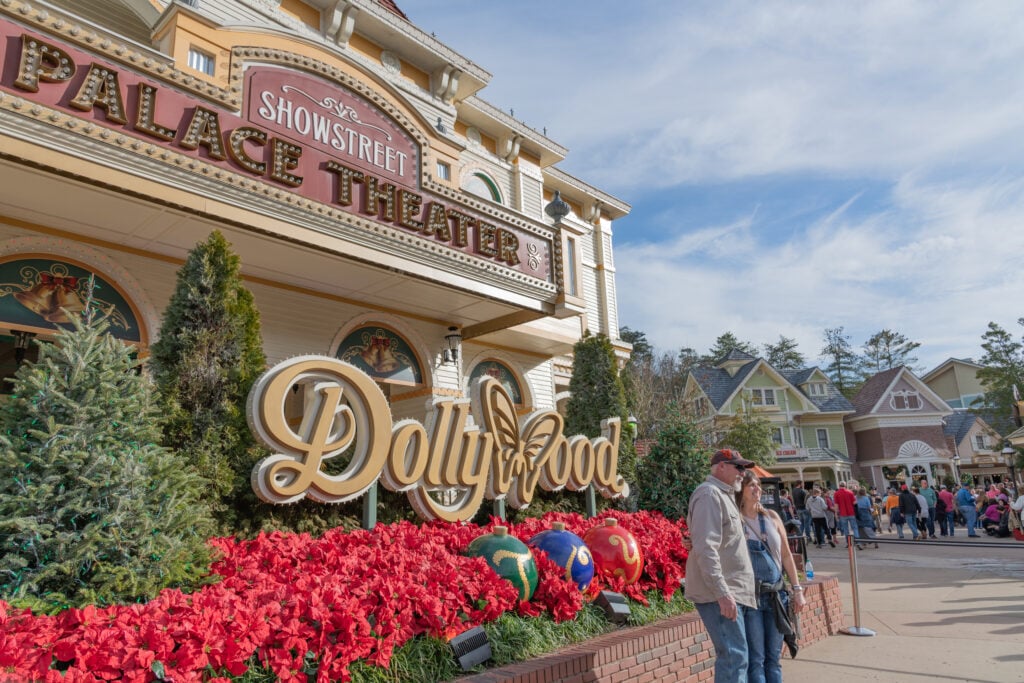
452, 342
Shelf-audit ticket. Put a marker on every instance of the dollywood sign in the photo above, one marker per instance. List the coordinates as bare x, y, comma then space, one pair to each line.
347, 417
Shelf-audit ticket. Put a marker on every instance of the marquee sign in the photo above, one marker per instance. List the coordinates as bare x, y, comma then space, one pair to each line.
347, 418
306, 134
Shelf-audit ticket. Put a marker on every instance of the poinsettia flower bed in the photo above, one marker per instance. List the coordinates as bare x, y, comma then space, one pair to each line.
288, 599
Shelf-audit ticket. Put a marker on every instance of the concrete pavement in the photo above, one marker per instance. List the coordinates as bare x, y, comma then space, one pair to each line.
943, 611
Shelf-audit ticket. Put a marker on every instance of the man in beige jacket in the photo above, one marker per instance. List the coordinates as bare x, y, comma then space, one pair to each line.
719, 577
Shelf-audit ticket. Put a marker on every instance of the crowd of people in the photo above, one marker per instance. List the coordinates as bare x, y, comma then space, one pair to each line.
740, 560
820, 512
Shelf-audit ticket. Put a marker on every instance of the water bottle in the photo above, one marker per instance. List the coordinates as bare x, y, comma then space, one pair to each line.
809, 570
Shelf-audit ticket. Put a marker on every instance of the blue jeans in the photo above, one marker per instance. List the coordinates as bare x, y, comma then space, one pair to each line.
930, 524
805, 522
764, 641
970, 516
730, 640
848, 526
945, 523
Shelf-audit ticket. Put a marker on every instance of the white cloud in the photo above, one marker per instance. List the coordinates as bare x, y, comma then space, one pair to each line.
925, 98
938, 266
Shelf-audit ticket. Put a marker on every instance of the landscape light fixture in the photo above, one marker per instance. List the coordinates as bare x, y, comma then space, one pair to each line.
471, 648
614, 606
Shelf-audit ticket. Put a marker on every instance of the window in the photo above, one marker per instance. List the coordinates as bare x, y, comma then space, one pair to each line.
905, 400
700, 407
570, 262
822, 438
763, 397
816, 389
777, 435
979, 442
798, 437
200, 61
444, 171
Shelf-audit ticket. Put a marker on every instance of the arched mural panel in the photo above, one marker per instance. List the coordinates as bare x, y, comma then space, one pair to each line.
381, 353
41, 291
501, 372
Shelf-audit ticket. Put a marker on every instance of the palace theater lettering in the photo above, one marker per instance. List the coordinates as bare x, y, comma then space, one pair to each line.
258, 152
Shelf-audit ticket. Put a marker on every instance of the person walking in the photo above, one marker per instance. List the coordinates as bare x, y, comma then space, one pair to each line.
719, 576
771, 557
817, 507
846, 503
932, 499
865, 517
800, 506
922, 513
945, 511
892, 506
965, 501
909, 508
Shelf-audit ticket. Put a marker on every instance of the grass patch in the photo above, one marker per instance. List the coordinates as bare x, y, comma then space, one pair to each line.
512, 638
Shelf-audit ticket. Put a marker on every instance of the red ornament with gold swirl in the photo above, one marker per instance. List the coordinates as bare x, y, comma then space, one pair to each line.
615, 550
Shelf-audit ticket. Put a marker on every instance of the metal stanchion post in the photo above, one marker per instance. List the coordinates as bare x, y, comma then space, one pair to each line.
856, 629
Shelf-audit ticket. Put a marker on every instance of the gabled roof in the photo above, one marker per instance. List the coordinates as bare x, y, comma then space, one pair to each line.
944, 365
958, 424
832, 402
717, 384
878, 386
872, 390
735, 354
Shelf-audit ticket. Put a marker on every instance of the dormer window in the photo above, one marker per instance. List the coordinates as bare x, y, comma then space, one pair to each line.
905, 400
762, 397
816, 389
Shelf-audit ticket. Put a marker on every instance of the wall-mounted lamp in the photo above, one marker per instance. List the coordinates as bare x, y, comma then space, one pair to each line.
452, 341
21, 343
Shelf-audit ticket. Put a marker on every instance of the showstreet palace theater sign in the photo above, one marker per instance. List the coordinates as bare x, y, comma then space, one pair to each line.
347, 416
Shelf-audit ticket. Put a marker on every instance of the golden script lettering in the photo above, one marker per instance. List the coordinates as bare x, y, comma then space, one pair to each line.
345, 415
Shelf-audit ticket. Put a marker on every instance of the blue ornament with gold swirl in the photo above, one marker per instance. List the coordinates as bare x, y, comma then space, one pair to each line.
568, 551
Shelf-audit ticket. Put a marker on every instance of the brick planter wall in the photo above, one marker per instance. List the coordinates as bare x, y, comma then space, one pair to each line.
676, 649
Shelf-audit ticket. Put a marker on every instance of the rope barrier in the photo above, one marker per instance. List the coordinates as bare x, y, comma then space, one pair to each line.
943, 542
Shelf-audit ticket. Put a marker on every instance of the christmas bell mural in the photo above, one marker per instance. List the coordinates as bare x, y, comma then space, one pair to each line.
43, 293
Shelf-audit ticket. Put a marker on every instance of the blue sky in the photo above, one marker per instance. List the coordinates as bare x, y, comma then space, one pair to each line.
792, 166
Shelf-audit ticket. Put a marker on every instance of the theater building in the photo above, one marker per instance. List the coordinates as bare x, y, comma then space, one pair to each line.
384, 212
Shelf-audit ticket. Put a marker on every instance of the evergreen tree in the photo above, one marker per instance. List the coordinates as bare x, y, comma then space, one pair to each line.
751, 435
92, 509
206, 360
885, 350
843, 366
596, 393
676, 464
1004, 370
783, 355
642, 349
726, 342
